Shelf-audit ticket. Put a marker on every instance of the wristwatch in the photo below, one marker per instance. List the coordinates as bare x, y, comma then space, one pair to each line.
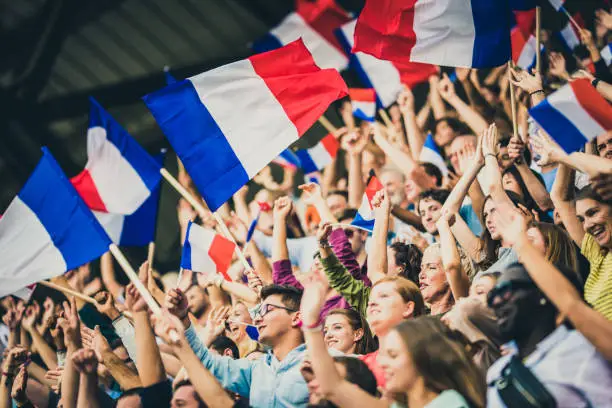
595, 82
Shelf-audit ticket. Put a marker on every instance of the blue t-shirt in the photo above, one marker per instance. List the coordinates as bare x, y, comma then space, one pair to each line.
471, 219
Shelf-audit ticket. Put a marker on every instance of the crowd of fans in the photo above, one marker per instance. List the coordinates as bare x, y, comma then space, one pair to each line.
489, 286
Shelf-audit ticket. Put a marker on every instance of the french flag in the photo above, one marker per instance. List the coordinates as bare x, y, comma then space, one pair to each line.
364, 103
46, 230
314, 22
456, 33
524, 49
365, 214
287, 159
569, 35
206, 251
137, 229
574, 115
277, 96
318, 157
431, 154
385, 77
120, 175
606, 54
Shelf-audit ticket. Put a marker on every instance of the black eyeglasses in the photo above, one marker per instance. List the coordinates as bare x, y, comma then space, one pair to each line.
267, 308
504, 290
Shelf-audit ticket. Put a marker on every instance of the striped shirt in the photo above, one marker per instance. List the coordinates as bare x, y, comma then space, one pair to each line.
598, 286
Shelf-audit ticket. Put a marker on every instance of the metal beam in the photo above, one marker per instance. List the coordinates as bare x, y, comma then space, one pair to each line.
124, 93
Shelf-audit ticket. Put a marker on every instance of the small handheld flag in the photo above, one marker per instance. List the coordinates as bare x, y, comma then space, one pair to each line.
431, 154
364, 103
365, 214
205, 251
319, 156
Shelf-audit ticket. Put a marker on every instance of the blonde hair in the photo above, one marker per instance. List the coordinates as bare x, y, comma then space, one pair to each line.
409, 292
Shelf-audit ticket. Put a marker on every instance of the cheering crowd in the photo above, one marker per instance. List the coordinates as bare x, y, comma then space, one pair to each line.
484, 283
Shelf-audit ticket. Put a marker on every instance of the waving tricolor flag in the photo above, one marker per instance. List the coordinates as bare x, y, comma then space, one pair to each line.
574, 115
319, 156
431, 154
569, 34
457, 33
524, 49
227, 124
206, 251
46, 230
364, 103
365, 214
314, 21
287, 159
385, 77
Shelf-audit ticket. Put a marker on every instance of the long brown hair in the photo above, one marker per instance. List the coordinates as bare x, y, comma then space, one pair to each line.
409, 292
366, 343
442, 358
560, 249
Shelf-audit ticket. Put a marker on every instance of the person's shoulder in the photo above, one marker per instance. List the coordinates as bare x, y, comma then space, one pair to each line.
448, 399
589, 247
495, 370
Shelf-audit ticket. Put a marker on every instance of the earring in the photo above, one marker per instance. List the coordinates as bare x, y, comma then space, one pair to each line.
542, 302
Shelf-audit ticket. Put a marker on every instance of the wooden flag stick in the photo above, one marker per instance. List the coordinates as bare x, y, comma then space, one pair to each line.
151, 254
201, 210
571, 19
327, 124
512, 102
67, 291
538, 40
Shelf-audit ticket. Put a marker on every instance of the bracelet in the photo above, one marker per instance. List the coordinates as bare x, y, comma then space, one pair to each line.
491, 154
535, 92
324, 244
595, 82
317, 328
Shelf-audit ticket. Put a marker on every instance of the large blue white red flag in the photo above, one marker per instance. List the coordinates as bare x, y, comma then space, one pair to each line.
569, 34
365, 214
205, 251
46, 230
137, 229
431, 154
277, 96
119, 175
385, 77
314, 21
364, 103
574, 115
457, 33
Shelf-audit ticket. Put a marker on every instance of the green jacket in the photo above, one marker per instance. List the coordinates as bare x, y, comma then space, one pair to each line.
353, 290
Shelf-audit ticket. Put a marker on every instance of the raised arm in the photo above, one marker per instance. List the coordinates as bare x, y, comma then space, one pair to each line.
456, 276
469, 115
489, 149
124, 375
44, 349
377, 258
538, 191
561, 198
312, 195
107, 270
355, 144
437, 103
86, 364
338, 390
70, 325
416, 138
531, 84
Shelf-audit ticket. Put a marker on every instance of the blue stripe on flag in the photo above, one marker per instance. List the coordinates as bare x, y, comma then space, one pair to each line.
252, 227
170, 79
70, 224
308, 165
363, 223
492, 39
558, 126
198, 141
267, 43
358, 113
139, 158
186, 255
139, 228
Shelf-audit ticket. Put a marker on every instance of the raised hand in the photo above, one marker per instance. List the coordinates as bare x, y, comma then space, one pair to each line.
16, 356
604, 18
165, 324
516, 148
254, 281
238, 228
100, 344
29, 319
557, 65
10, 319
489, 140
511, 223
85, 361
185, 212
526, 81
405, 101
462, 74
48, 309
176, 303
18, 392
548, 150
582, 73
216, 320
313, 298
282, 209
325, 229
446, 88
56, 332
87, 336
55, 376
105, 303
586, 37
70, 324
133, 300
381, 201
355, 142
311, 192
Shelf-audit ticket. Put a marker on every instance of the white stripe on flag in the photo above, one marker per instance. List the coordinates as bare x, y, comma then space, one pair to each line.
320, 156
324, 53
21, 229
112, 224
432, 17
569, 35
606, 54
368, 108
263, 131
565, 102
430, 156
201, 240
113, 175
528, 53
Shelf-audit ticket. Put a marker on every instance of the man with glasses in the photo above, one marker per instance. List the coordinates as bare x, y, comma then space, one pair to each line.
273, 380
548, 359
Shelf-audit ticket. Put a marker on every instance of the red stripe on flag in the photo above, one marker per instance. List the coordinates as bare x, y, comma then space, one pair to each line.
362, 94
592, 102
526, 21
85, 186
330, 143
518, 43
372, 188
304, 90
221, 252
414, 73
385, 29
324, 16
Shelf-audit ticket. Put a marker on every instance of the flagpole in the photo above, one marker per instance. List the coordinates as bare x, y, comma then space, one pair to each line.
538, 40
151, 254
327, 124
571, 19
200, 209
512, 103
338, 224
67, 291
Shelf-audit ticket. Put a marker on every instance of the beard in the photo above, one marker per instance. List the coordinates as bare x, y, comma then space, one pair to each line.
322, 404
397, 198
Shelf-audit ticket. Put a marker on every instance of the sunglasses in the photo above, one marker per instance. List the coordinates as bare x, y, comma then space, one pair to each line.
504, 291
266, 308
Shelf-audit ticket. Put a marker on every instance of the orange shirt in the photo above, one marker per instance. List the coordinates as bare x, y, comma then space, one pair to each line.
370, 360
